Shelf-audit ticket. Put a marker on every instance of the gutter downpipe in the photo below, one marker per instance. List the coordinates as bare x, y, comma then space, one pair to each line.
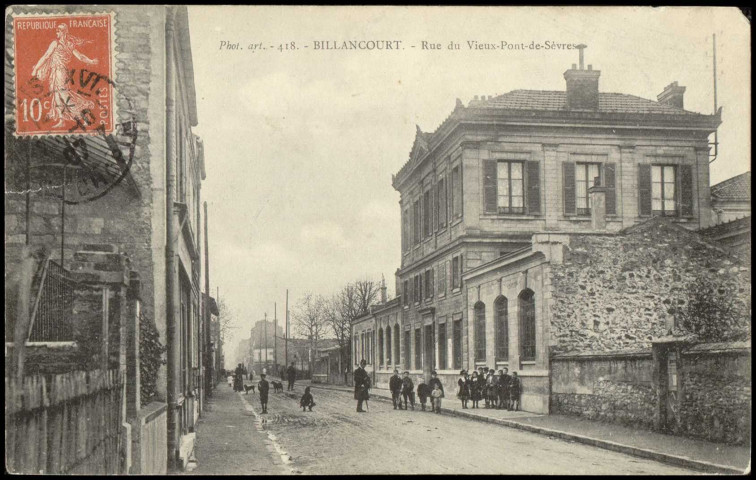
172, 333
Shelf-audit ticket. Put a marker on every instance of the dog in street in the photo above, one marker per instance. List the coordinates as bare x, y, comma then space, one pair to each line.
277, 386
247, 388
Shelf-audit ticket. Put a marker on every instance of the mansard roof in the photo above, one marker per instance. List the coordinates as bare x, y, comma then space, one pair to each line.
737, 188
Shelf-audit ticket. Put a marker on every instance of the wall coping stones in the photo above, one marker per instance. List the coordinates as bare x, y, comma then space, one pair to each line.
607, 354
741, 346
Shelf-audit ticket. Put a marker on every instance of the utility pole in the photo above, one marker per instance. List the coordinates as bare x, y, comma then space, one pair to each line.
265, 326
286, 338
275, 338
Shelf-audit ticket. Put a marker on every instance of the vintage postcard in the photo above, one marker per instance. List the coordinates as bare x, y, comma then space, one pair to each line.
353, 240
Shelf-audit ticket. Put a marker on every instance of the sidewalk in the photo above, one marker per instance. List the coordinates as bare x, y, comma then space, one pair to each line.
680, 451
229, 441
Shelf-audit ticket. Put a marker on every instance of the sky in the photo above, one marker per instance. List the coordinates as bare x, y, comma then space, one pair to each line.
301, 144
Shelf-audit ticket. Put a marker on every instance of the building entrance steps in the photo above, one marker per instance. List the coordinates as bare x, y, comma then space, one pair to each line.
674, 450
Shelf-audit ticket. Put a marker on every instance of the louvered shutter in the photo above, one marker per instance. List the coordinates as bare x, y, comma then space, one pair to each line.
568, 188
611, 191
534, 187
434, 206
686, 190
489, 185
644, 190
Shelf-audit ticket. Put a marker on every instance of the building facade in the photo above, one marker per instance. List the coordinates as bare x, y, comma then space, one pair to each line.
138, 190
487, 198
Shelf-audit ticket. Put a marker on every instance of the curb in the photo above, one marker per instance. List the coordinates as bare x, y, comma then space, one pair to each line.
594, 442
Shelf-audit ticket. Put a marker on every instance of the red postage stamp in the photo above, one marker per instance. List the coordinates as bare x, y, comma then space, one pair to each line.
63, 73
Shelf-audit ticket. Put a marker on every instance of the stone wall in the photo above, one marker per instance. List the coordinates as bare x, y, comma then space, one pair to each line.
617, 292
612, 388
716, 400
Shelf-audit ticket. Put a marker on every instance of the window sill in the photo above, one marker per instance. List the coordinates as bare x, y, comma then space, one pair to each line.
527, 362
510, 216
456, 222
457, 291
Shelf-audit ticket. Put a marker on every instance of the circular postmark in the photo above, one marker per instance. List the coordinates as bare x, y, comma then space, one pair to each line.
87, 162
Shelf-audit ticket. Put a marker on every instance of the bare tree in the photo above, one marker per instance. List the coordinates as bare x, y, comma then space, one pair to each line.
225, 320
353, 301
310, 321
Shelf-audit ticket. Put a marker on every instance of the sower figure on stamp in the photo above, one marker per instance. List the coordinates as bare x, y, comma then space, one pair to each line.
361, 385
65, 103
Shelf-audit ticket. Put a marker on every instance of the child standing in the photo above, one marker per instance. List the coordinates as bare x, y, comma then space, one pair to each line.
435, 381
423, 392
437, 395
463, 388
476, 389
263, 386
407, 390
515, 389
307, 401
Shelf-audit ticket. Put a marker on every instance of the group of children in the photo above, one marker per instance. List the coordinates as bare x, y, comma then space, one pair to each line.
306, 402
499, 391
403, 389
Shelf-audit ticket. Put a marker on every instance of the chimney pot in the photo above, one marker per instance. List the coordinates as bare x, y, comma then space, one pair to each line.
590, 67
574, 66
582, 88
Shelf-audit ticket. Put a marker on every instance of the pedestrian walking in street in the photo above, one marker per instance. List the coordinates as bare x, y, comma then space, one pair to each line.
504, 380
432, 384
361, 385
263, 386
307, 401
423, 392
239, 378
437, 394
476, 389
515, 390
395, 385
291, 375
463, 388
408, 390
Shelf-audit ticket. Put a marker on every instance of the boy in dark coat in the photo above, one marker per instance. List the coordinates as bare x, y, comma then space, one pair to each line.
504, 380
515, 389
432, 385
423, 392
476, 389
395, 385
463, 388
307, 401
407, 390
263, 386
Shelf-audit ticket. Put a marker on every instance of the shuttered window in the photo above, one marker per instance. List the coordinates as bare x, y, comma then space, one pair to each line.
443, 267
427, 218
433, 207
457, 343
418, 349
456, 272
663, 190
456, 192
442, 346
533, 184
686, 190
568, 188
388, 345
585, 177
407, 350
416, 222
611, 189
510, 195
527, 325
644, 190
479, 325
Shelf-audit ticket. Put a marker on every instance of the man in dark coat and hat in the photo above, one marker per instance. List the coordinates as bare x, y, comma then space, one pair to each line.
361, 385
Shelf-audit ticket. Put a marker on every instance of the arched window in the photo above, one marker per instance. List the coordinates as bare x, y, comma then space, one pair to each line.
527, 325
501, 322
380, 346
397, 346
479, 326
388, 345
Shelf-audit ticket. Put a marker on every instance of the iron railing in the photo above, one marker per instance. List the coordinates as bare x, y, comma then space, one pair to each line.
52, 314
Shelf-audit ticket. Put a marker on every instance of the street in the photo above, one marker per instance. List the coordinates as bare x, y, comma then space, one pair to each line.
335, 439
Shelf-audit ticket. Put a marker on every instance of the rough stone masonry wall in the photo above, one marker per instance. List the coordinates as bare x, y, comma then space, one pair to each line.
120, 217
609, 388
617, 292
716, 401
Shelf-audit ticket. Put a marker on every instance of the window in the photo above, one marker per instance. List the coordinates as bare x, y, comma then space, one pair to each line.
405, 230
388, 345
427, 227
416, 222
380, 346
362, 346
356, 348
442, 268
501, 322
456, 193
480, 331
396, 343
407, 349
457, 272
585, 175
510, 187
418, 349
406, 293
429, 284
441, 202
527, 325
663, 191
457, 343
442, 346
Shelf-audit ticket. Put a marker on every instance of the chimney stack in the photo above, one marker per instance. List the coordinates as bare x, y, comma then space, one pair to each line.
582, 85
383, 289
672, 95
